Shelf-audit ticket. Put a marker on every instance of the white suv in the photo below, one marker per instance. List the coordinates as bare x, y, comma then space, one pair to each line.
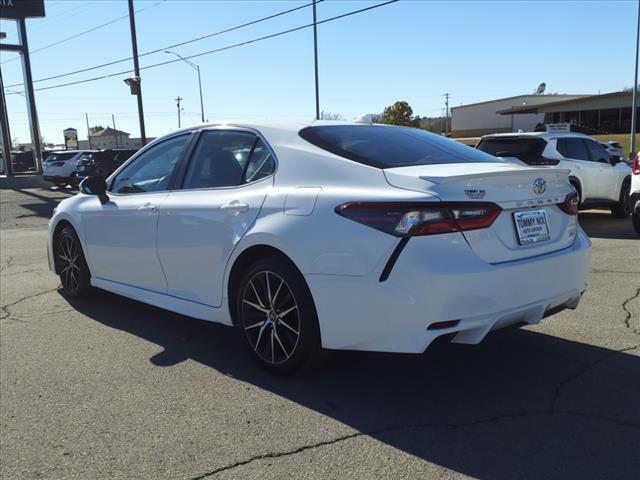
602, 181
634, 197
60, 167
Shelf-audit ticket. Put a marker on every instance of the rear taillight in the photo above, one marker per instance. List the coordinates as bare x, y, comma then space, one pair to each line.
408, 219
570, 204
635, 165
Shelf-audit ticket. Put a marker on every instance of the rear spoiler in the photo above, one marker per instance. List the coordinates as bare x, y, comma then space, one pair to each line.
440, 180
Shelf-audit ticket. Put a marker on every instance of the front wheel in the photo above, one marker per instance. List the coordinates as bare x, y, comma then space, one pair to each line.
71, 264
622, 208
277, 316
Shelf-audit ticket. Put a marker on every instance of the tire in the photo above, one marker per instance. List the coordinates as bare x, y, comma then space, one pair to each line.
577, 188
277, 316
622, 209
71, 264
635, 219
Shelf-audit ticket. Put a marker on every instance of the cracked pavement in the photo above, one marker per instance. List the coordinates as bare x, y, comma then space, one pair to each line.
111, 388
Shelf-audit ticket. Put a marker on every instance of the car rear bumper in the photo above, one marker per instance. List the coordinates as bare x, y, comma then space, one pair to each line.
439, 279
55, 178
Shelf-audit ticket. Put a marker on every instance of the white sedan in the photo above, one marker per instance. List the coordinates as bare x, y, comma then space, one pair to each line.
327, 235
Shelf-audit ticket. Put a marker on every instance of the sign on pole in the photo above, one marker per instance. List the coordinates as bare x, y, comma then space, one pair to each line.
70, 139
20, 9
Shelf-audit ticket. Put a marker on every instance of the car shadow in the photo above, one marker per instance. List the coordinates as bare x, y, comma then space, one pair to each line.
601, 224
43, 205
521, 404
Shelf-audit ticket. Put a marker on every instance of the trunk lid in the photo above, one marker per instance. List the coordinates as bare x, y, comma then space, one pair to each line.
508, 185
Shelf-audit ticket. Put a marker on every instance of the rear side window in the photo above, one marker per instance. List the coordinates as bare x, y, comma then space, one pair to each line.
573, 148
219, 159
526, 149
61, 157
598, 152
388, 147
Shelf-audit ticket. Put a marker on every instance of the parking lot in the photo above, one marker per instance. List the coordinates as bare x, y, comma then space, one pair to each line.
111, 388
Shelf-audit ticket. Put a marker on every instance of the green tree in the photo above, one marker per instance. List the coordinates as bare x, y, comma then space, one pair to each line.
400, 113
96, 128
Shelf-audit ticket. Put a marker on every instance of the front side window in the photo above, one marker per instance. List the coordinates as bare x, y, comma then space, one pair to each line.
573, 148
222, 159
151, 171
388, 147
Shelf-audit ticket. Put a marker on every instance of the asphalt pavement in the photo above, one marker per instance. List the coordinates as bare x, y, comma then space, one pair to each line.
109, 388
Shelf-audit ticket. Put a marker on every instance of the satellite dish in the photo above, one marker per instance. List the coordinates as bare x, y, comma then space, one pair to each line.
541, 88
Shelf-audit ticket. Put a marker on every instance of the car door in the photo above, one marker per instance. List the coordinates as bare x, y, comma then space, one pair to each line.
224, 186
608, 181
120, 235
574, 148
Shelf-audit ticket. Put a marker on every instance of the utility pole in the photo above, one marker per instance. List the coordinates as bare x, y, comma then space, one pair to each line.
113, 120
178, 100
315, 56
6, 134
446, 118
136, 68
86, 116
635, 90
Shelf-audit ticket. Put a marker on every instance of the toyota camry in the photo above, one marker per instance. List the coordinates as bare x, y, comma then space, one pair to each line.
326, 235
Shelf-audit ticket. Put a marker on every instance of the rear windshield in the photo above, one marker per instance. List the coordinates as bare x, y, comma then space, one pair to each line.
58, 157
388, 147
525, 149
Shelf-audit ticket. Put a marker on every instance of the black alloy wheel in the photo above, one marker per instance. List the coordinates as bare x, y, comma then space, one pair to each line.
277, 316
70, 264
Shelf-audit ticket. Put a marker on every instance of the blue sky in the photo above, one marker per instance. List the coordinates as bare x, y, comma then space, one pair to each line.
411, 50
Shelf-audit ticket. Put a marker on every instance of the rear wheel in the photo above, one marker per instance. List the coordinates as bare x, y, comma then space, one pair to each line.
277, 316
71, 265
622, 208
635, 219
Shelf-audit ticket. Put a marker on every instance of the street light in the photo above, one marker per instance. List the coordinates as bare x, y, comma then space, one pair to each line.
197, 69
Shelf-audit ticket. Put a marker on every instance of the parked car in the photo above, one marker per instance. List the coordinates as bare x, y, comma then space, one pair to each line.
601, 180
23, 161
329, 235
60, 167
101, 163
634, 197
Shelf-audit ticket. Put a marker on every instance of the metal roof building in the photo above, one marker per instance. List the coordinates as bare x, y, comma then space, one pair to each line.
607, 113
483, 118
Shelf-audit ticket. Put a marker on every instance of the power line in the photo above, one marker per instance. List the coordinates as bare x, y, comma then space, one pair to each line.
197, 39
216, 50
84, 33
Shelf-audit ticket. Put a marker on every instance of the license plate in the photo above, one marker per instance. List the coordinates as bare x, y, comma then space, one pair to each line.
83, 168
531, 226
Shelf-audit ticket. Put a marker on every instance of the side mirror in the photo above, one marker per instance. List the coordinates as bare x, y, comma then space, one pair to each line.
95, 186
614, 159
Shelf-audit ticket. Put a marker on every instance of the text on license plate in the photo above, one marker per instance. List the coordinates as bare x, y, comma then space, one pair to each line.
531, 226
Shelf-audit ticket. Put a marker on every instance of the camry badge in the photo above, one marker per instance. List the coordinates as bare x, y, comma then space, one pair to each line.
539, 186
475, 194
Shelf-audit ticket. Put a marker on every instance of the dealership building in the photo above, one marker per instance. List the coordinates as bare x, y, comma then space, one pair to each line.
607, 113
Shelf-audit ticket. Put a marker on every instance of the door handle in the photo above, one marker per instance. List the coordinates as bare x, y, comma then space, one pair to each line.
235, 206
148, 207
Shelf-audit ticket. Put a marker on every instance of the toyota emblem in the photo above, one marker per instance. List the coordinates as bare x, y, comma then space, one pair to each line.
539, 186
